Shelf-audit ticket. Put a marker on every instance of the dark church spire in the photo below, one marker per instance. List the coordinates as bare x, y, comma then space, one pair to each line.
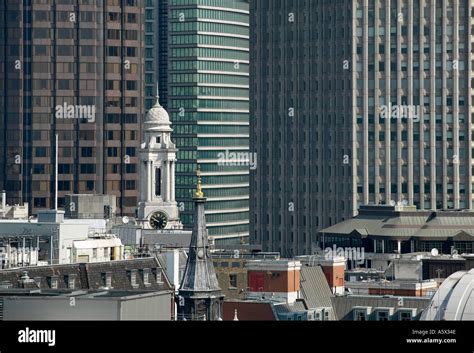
199, 296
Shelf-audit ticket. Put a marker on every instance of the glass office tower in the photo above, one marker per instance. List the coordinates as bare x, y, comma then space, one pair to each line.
208, 99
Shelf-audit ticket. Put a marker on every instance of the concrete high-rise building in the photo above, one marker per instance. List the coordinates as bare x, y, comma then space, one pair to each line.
357, 102
72, 68
207, 95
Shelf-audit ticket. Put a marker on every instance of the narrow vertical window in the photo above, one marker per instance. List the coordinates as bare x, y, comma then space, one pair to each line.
157, 182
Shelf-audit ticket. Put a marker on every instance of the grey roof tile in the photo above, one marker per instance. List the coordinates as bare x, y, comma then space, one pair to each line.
315, 288
345, 304
297, 306
90, 275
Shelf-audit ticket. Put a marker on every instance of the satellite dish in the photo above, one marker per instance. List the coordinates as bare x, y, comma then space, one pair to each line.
392, 203
125, 220
434, 252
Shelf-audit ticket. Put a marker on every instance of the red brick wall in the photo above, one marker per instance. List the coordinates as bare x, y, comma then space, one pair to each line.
248, 311
334, 275
276, 281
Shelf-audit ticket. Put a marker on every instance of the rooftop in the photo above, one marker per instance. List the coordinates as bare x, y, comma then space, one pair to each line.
396, 284
297, 306
344, 305
249, 310
54, 293
454, 299
89, 276
387, 221
314, 287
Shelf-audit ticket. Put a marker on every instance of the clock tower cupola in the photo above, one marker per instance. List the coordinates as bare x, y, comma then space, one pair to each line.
157, 207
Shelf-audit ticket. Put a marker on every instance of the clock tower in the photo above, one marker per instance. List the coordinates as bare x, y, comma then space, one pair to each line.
157, 207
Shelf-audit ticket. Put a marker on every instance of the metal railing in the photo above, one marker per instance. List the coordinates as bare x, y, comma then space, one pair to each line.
189, 317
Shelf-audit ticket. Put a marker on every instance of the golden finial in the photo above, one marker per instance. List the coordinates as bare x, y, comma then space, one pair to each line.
199, 192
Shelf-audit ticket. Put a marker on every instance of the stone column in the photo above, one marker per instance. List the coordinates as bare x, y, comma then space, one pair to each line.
173, 181
168, 186
149, 182
163, 180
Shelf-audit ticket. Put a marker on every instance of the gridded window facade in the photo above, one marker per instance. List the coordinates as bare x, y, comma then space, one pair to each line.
354, 103
62, 81
208, 100
411, 82
301, 129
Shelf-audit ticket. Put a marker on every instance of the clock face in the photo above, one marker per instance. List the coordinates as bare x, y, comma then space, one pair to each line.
158, 220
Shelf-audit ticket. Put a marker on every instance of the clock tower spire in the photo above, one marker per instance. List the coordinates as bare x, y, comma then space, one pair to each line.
157, 207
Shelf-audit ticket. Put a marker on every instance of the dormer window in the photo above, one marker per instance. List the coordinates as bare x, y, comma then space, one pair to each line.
37, 281
146, 277
158, 276
361, 313
158, 139
133, 278
159, 280
53, 282
70, 281
407, 314
107, 279
382, 315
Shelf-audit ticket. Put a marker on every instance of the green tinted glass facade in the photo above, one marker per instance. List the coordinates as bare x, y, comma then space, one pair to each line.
208, 100
156, 51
